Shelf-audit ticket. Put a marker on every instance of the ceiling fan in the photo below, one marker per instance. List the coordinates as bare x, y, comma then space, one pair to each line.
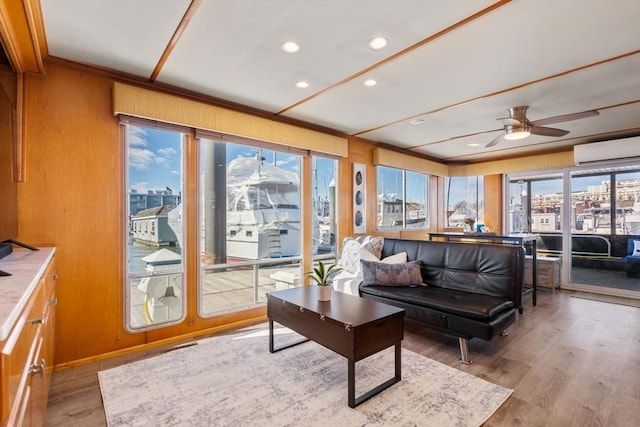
517, 126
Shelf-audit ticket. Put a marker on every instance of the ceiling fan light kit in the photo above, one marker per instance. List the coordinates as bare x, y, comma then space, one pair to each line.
513, 133
517, 126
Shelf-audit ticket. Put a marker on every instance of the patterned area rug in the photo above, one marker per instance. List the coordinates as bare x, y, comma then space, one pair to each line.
233, 380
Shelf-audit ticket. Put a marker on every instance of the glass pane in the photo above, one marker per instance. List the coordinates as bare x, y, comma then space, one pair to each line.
518, 207
416, 208
402, 199
628, 203
464, 200
546, 205
590, 204
324, 204
390, 199
602, 227
154, 291
250, 224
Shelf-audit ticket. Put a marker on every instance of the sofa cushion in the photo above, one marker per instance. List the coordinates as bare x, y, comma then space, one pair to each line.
385, 274
350, 257
352, 251
374, 245
467, 304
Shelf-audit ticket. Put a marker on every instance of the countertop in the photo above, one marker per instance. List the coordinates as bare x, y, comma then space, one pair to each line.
26, 267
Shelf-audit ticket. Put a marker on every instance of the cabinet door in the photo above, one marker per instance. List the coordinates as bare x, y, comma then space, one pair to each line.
37, 404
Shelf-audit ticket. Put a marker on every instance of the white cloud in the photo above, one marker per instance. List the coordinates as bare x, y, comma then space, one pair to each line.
137, 137
167, 152
141, 158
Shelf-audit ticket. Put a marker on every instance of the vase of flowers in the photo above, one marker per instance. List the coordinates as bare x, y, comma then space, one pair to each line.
322, 275
468, 224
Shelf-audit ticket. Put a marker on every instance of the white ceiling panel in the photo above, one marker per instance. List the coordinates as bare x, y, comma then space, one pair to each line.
488, 55
458, 65
231, 49
617, 121
123, 35
596, 87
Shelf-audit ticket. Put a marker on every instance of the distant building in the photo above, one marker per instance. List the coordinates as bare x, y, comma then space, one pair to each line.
150, 227
544, 222
153, 198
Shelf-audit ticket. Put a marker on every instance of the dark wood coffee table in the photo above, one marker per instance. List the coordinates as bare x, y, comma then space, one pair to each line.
351, 326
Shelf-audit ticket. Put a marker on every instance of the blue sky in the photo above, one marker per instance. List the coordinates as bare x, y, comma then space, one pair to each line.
155, 157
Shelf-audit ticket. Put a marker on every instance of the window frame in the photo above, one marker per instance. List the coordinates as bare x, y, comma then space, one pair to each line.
130, 277
380, 211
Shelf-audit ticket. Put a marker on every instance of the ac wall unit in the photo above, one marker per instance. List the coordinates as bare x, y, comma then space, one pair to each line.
607, 151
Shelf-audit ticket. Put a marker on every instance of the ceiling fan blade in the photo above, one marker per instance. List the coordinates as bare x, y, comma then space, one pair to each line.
544, 131
494, 141
565, 118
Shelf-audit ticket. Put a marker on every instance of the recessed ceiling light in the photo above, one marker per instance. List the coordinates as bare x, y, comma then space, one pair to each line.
378, 43
370, 82
473, 145
290, 47
416, 122
302, 84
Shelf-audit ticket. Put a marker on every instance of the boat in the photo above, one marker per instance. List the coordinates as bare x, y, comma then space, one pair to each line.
263, 211
391, 213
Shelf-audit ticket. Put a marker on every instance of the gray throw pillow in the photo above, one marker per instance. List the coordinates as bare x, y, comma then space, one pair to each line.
383, 274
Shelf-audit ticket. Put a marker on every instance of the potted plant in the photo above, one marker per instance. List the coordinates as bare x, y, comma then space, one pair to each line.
322, 276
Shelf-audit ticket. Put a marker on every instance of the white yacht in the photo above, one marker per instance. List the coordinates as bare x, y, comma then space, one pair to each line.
263, 210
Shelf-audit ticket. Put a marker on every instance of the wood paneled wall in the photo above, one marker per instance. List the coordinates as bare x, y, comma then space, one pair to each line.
73, 196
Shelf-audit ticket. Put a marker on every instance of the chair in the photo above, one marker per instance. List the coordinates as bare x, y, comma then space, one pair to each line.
633, 258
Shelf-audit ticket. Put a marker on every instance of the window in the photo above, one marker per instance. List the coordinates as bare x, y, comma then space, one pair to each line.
324, 205
401, 199
464, 197
249, 221
154, 292
535, 204
606, 203
250, 216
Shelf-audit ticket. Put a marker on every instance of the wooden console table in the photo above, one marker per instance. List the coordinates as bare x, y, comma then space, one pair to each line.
507, 239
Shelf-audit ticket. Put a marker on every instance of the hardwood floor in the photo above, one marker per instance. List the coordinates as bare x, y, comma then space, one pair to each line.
570, 362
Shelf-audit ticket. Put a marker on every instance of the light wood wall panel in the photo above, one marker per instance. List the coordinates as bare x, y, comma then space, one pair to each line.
73, 198
493, 197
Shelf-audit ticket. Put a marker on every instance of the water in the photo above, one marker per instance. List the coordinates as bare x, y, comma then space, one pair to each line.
138, 251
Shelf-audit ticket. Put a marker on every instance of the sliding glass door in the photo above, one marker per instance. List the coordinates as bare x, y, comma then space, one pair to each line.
594, 213
606, 215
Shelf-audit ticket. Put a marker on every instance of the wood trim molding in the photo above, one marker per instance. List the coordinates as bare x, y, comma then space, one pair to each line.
19, 36
188, 16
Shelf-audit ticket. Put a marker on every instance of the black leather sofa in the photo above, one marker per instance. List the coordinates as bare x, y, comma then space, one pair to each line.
473, 289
